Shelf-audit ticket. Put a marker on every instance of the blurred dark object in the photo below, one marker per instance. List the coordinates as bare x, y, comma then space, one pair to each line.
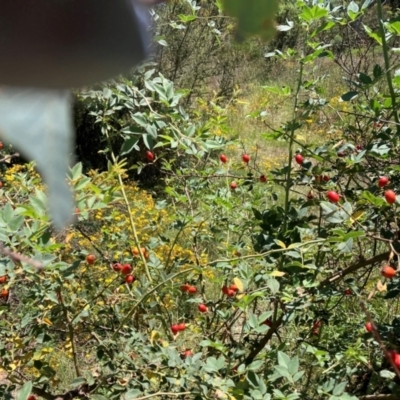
70, 43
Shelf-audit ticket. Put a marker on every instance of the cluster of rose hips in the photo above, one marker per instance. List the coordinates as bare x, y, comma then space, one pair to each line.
333, 196
230, 291
4, 292
136, 252
176, 328
186, 288
246, 159
124, 269
390, 195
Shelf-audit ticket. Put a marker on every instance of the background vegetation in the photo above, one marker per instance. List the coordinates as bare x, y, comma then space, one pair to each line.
234, 238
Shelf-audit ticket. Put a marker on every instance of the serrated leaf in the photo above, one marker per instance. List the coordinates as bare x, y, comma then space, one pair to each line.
39, 124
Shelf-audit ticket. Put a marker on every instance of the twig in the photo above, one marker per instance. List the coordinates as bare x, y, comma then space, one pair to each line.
17, 257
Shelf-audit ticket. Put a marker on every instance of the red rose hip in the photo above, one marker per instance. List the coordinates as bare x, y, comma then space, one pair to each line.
223, 158
149, 156
90, 259
299, 159
246, 158
390, 196
388, 272
383, 181
332, 196
202, 308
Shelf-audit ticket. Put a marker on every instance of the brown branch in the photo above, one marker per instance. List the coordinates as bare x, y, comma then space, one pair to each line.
263, 342
17, 257
361, 264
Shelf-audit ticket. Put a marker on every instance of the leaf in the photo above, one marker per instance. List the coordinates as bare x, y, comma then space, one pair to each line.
382, 287
277, 273
25, 391
273, 284
39, 124
132, 394
254, 17
349, 96
238, 283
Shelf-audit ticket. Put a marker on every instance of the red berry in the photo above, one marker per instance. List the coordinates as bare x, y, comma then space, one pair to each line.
202, 308
246, 158
234, 185
4, 293
316, 324
182, 326
1, 184
383, 181
130, 279
263, 178
3, 279
326, 178
223, 158
90, 259
185, 288
117, 267
225, 289
192, 290
126, 269
369, 326
310, 195
396, 359
390, 196
299, 158
231, 293
388, 272
187, 353
348, 292
1, 145
32, 397
359, 147
268, 322
340, 154
234, 287
333, 196
149, 156
175, 329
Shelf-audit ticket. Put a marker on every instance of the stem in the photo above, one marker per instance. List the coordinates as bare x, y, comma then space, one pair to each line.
126, 201
387, 62
291, 139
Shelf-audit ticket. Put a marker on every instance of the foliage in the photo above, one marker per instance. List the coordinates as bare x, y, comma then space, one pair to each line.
285, 261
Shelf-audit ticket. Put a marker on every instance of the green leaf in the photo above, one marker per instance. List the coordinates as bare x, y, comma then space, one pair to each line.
339, 389
132, 394
129, 144
78, 382
273, 285
25, 391
283, 359
98, 397
349, 96
311, 14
